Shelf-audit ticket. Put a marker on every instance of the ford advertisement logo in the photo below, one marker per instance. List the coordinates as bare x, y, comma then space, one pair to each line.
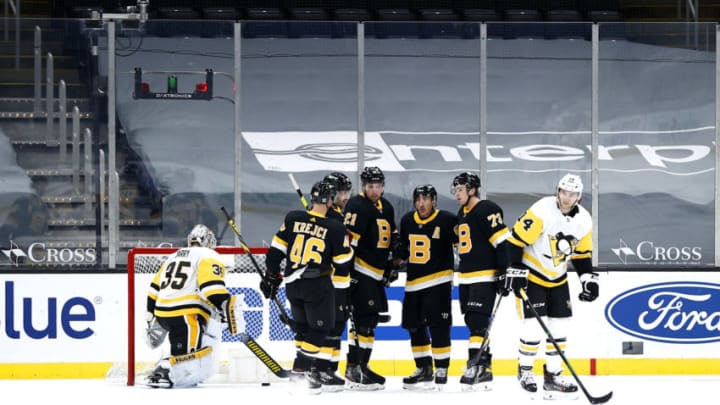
676, 312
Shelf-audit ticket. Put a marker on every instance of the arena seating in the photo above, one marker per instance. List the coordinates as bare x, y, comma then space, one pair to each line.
365, 10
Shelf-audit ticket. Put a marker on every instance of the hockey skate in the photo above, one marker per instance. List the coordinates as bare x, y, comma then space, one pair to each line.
421, 379
556, 386
441, 378
314, 383
476, 377
527, 379
159, 378
331, 382
359, 377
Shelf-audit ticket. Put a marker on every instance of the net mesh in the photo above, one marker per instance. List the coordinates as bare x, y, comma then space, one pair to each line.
234, 362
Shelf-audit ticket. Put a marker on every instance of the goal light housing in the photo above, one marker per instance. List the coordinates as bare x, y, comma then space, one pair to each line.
203, 90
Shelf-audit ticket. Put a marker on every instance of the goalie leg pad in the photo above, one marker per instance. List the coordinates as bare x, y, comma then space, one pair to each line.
213, 333
190, 369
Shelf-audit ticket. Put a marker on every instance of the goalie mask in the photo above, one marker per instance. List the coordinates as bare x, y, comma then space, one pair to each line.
202, 236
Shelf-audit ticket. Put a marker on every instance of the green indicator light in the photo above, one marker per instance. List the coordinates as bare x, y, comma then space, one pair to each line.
172, 83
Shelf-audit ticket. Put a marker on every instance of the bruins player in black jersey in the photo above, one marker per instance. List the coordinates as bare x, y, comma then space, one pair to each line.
428, 236
330, 352
483, 251
313, 245
343, 185
370, 218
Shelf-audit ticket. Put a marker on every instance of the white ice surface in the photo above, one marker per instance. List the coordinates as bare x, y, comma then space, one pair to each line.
628, 390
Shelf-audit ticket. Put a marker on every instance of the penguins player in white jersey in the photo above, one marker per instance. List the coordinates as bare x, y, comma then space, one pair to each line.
555, 230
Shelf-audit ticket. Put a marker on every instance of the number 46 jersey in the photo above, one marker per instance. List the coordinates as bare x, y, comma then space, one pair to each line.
190, 281
313, 244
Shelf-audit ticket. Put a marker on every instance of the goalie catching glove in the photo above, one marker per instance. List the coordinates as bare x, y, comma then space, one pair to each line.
154, 332
270, 284
232, 310
590, 287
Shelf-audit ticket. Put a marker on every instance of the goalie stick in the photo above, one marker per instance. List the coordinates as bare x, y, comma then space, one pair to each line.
592, 399
263, 356
284, 317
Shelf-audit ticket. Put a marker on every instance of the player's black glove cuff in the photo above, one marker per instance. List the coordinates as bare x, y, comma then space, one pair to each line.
516, 279
391, 271
500, 289
270, 284
590, 286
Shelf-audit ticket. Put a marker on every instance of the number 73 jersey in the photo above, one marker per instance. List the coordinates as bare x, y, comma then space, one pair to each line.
549, 239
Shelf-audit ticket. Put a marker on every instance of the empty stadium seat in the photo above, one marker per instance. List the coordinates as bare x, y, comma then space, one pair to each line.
213, 28
309, 23
440, 23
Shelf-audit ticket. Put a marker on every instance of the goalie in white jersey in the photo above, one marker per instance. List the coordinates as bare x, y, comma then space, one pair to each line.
186, 298
554, 230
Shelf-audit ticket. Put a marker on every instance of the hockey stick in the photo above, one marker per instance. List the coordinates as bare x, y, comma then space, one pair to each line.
298, 191
592, 399
486, 337
264, 357
284, 317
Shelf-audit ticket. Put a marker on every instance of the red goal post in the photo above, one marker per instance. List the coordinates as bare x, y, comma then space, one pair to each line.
234, 362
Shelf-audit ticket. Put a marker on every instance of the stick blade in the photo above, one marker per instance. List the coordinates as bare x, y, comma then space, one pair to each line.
601, 400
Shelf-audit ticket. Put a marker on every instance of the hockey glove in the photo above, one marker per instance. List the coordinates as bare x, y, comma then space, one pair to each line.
391, 271
269, 285
516, 279
590, 286
232, 308
154, 332
500, 279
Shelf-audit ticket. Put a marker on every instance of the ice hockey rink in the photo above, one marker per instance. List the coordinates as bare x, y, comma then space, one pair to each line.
627, 390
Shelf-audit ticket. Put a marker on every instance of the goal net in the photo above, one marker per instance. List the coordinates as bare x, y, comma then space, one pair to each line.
235, 363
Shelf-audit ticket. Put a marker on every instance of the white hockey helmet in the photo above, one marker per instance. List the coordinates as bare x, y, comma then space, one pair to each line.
203, 236
572, 183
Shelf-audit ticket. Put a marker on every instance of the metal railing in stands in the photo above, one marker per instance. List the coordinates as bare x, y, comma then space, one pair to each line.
14, 6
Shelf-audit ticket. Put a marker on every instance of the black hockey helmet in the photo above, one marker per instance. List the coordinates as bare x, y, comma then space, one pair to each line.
341, 181
471, 180
427, 190
322, 192
372, 174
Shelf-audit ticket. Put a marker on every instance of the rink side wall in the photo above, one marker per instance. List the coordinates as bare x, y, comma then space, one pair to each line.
649, 323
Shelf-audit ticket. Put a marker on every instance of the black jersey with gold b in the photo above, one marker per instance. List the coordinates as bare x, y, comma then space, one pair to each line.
481, 230
371, 226
313, 244
428, 244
